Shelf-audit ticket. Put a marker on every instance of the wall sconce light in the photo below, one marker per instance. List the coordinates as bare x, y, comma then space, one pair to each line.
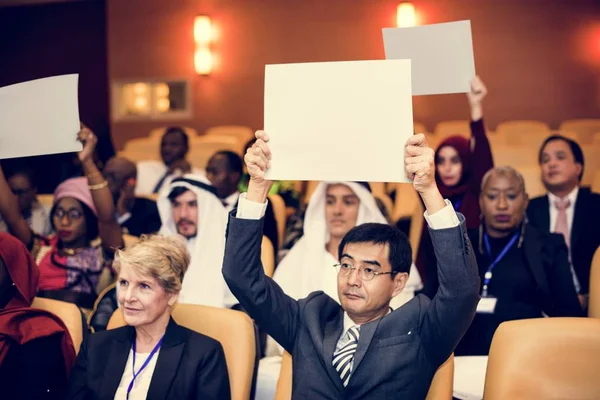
405, 15
203, 58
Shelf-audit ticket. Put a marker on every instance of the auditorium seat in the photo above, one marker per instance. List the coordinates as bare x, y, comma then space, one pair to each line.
233, 329
440, 389
544, 359
68, 313
594, 301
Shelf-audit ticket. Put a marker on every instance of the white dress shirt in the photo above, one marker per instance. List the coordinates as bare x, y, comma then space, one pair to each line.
142, 382
570, 210
570, 213
230, 201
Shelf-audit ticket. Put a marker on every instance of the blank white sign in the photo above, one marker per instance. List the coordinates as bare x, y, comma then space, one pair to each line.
441, 54
338, 121
39, 117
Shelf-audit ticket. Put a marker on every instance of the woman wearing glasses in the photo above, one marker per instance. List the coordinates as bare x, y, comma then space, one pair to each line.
71, 261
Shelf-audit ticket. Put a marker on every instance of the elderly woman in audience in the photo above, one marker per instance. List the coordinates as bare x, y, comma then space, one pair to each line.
460, 165
36, 351
333, 210
152, 357
71, 262
524, 270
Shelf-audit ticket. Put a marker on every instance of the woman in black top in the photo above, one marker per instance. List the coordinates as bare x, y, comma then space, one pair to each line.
524, 272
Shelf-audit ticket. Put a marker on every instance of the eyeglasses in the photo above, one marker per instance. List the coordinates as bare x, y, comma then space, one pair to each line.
365, 274
71, 214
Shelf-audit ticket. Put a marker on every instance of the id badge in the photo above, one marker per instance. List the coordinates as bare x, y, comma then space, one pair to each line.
487, 305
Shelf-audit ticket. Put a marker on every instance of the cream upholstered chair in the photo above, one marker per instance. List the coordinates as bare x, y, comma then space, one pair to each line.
451, 128
68, 313
419, 127
544, 359
594, 302
533, 181
591, 155
204, 147
584, 128
596, 182
440, 389
157, 133
233, 329
46, 200
241, 133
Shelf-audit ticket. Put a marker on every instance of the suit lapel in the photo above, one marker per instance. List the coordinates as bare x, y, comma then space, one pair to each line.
167, 362
532, 247
117, 360
579, 215
543, 214
364, 341
333, 331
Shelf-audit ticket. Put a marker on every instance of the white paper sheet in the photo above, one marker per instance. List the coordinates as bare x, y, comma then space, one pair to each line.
338, 120
441, 54
39, 117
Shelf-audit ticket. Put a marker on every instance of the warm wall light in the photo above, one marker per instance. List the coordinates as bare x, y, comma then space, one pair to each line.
202, 30
203, 58
405, 15
203, 61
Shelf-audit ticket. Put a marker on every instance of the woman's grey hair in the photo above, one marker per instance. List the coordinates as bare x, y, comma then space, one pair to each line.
164, 258
504, 171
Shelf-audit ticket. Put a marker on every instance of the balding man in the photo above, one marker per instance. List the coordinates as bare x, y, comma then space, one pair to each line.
137, 215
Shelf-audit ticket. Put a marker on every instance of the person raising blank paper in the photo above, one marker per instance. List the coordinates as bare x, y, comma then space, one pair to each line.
359, 348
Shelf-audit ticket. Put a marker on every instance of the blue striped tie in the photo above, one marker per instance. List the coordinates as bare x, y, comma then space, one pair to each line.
343, 358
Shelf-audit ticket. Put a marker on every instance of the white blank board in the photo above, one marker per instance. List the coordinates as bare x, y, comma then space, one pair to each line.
441, 54
39, 117
338, 121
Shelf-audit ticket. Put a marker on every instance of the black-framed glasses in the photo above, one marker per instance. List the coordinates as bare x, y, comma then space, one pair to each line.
365, 274
71, 214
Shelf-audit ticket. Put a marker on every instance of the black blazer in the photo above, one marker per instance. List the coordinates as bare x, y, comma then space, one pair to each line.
144, 219
585, 232
397, 355
189, 366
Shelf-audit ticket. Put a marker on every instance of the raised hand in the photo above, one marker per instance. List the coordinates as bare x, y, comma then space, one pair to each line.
420, 167
475, 97
258, 160
89, 141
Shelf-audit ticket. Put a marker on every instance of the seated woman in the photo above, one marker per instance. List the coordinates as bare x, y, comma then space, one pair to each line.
36, 351
524, 271
152, 357
71, 262
460, 164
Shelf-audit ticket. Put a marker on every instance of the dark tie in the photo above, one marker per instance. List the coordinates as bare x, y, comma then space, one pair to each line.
343, 357
160, 182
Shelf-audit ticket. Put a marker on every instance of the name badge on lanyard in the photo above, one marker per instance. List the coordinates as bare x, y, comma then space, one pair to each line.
487, 304
136, 374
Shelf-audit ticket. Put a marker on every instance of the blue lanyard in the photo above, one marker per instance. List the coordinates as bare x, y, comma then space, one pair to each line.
457, 204
135, 375
488, 274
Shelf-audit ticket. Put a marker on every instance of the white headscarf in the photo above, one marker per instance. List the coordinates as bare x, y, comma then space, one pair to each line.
203, 283
302, 270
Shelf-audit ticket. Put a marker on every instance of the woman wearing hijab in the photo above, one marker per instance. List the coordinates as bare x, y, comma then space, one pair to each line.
36, 351
71, 261
460, 166
524, 271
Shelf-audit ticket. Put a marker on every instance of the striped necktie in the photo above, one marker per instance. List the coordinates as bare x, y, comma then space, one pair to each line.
343, 357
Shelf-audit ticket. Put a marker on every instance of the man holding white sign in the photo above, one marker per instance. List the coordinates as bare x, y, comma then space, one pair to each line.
359, 348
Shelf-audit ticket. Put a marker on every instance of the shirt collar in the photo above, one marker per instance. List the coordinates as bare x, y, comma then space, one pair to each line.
571, 196
348, 323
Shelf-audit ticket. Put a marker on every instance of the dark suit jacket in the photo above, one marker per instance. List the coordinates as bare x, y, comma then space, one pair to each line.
397, 355
144, 219
189, 366
585, 232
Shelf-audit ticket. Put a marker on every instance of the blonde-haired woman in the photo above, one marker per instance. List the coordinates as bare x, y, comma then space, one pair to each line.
152, 357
